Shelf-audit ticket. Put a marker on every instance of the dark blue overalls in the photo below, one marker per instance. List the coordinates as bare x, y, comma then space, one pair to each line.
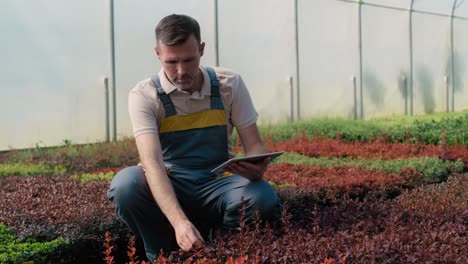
192, 145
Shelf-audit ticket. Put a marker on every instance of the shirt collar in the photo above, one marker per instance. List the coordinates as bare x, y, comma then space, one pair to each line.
168, 87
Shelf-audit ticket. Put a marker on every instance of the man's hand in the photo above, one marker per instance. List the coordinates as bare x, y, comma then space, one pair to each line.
149, 148
188, 236
249, 170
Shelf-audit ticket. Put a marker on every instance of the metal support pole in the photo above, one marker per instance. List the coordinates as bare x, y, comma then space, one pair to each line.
447, 89
405, 88
411, 88
216, 11
353, 79
296, 30
112, 42
106, 103
291, 90
360, 60
452, 54
405, 9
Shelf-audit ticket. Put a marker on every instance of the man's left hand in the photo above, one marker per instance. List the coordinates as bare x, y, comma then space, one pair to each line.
250, 170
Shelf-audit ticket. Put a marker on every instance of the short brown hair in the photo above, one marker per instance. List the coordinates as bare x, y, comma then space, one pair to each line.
176, 29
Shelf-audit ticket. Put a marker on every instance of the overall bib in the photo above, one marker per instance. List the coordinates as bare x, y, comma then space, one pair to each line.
192, 145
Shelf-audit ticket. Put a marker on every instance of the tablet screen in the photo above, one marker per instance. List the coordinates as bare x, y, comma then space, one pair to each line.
251, 158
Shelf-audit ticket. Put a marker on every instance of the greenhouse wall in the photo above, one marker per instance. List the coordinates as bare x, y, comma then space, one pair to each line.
300, 59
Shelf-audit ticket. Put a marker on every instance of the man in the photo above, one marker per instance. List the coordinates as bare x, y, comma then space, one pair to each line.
182, 121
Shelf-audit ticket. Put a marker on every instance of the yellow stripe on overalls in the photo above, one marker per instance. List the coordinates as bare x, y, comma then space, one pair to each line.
203, 119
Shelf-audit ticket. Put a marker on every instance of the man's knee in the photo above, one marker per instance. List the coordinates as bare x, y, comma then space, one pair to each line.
257, 196
126, 185
263, 198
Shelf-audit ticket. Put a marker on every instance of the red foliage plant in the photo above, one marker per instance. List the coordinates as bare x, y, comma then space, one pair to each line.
420, 226
49, 207
423, 225
108, 258
333, 182
326, 147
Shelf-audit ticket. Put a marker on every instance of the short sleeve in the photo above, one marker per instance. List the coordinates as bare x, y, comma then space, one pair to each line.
142, 113
243, 113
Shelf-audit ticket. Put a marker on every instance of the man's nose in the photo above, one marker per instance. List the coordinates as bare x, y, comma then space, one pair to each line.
180, 68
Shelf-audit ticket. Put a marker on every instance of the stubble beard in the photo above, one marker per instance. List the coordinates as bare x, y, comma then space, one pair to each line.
186, 85
190, 86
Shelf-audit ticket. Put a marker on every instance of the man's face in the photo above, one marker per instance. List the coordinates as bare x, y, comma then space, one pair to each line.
181, 63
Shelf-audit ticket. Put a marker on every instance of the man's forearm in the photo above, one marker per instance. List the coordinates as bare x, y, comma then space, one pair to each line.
164, 194
251, 141
258, 148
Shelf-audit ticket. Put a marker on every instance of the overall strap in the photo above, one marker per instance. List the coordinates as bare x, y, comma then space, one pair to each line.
216, 102
165, 99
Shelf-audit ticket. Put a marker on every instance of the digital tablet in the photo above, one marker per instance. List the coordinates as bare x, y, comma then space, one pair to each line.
252, 158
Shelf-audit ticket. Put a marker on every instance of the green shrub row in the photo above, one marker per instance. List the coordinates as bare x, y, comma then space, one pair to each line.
425, 129
93, 176
30, 169
431, 169
14, 250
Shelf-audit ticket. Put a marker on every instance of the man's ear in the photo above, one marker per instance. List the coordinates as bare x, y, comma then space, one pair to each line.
202, 48
156, 49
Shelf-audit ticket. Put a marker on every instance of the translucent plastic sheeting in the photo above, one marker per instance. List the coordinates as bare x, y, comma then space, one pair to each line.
434, 6
135, 42
54, 56
260, 46
329, 57
391, 3
462, 9
385, 37
431, 38
461, 64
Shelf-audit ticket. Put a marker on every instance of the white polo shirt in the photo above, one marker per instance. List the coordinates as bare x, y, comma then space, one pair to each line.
146, 110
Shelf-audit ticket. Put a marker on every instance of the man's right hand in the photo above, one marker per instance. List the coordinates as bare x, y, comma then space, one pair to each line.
188, 236
149, 148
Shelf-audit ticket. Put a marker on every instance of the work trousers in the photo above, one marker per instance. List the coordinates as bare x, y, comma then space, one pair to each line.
208, 202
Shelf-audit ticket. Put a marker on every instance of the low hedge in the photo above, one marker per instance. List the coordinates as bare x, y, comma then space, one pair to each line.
13, 250
423, 129
324, 147
30, 169
93, 176
431, 169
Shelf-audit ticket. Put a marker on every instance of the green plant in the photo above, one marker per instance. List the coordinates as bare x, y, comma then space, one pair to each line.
424, 129
93, 176
67, 143
14, 250
30, 169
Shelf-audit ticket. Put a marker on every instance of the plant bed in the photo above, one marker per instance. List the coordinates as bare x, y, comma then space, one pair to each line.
331, 184
78, 158
46, 208
355, 192
427, 129
431, 169
370, 231
324, 147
